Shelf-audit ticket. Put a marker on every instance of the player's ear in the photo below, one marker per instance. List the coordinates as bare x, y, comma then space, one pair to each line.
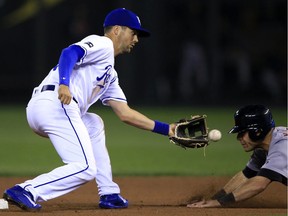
116, 30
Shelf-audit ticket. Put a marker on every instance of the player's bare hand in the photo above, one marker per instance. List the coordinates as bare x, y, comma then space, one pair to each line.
64, 94
204, 204
172, 129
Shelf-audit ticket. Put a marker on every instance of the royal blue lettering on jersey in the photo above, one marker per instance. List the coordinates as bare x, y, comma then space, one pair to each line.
113, 80
105, 77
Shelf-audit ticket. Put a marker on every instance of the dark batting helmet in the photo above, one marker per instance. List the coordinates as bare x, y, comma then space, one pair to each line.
256, 119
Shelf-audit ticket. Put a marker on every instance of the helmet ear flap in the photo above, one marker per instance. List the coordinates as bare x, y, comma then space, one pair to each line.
256, 134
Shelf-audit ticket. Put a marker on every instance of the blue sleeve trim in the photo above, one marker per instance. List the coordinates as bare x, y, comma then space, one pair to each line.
68, 59
113, 98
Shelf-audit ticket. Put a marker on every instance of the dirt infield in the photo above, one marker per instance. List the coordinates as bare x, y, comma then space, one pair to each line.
157, 196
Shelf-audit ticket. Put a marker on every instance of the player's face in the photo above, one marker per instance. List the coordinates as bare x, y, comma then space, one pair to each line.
127, 39
247, 144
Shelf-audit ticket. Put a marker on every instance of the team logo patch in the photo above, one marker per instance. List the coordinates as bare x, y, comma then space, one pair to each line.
101, 81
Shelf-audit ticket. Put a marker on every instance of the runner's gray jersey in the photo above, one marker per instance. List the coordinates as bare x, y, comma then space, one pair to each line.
276, 157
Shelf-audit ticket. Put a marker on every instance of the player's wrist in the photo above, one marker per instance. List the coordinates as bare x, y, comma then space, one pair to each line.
226, 200
219, 194
161, 128
64, 81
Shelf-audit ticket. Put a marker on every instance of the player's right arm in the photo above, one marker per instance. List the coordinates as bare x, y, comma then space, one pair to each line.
237, 180
137, 119
245, 184
67, 61
246, 190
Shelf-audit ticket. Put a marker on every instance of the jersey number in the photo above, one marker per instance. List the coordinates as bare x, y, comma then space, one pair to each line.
89, 44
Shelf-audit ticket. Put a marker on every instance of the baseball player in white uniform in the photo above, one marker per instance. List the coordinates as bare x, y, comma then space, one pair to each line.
59, 107
256, 132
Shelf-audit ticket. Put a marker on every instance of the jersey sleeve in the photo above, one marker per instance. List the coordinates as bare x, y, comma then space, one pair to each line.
277, 158
273, 176
97, 49
257, 160
249, 173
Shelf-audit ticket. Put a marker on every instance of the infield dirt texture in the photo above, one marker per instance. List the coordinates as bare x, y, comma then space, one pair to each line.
150, 196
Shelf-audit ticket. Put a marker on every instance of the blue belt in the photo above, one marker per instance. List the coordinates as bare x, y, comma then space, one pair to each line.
48, 88
52, 88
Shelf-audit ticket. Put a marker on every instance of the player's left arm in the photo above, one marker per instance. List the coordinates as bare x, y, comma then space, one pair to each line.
249, 188
137, 119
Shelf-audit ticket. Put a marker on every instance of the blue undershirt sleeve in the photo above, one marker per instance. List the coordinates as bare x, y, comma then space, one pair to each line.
68, 59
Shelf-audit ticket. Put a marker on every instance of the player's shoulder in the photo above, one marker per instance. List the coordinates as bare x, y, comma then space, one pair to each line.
101, 45
96, 43
279, 139
280, 133
99, 40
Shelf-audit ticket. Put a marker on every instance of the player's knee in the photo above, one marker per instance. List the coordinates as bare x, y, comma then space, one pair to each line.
91, 172
87, 172
94, 124
97, 120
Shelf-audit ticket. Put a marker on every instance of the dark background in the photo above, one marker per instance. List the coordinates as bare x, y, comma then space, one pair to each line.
201, 52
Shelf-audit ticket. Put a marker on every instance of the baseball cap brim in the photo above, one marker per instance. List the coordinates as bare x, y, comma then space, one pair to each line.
235, 129
142, 32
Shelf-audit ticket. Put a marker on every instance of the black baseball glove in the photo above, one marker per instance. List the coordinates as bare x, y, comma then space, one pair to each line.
191, 133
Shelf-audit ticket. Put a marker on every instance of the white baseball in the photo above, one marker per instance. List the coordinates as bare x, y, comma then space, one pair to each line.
3, 204
214, 135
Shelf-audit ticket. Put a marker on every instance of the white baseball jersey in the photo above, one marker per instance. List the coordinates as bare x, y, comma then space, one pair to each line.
94, 77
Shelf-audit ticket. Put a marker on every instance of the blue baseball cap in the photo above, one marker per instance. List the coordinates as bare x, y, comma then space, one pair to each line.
124, 17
